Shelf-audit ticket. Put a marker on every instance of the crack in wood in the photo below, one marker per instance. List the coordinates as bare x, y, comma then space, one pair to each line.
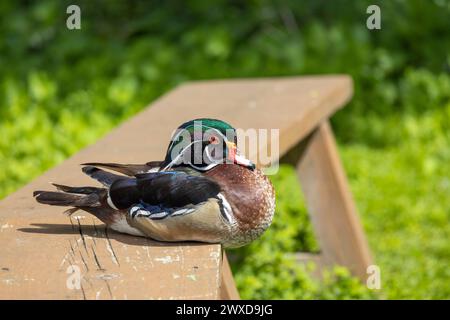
82, 236
110, 247
96, 260
82, 290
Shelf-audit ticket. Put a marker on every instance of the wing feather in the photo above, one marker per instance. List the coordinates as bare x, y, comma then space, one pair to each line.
175, 189
162, 194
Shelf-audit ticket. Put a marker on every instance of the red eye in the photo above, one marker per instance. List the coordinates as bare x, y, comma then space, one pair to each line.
213, 140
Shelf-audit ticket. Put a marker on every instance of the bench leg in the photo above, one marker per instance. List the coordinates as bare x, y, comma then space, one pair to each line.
228, 290
330, 204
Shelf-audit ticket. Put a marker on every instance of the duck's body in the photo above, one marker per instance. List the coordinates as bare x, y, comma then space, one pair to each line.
229, 203
218, 219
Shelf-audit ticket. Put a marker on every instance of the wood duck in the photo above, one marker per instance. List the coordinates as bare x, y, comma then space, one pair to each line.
204, 190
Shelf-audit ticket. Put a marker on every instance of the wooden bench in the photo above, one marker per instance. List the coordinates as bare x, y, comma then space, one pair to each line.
39, 244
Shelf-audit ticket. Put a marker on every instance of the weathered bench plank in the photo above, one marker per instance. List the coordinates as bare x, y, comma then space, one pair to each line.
38, 243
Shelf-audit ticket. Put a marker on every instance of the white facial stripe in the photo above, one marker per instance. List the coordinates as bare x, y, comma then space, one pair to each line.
208, 167
178, 156
209, 156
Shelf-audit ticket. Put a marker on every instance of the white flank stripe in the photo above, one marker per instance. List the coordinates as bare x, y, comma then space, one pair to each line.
110, 203
227, 208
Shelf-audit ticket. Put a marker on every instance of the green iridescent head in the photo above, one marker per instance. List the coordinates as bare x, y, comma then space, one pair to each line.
204, 144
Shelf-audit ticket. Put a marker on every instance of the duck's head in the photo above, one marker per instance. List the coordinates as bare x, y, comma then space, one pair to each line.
203, 144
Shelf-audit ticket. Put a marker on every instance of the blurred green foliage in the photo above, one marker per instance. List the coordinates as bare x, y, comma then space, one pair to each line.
61, 90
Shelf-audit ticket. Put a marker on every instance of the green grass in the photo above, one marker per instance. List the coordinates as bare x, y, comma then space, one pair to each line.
61, 90
403, 196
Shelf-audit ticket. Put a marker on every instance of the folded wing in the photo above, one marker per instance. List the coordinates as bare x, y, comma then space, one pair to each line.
161, 194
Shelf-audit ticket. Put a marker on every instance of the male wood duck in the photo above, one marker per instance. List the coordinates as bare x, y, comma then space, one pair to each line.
204, 190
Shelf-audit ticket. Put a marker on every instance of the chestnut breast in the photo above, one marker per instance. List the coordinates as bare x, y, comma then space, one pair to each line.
249, 192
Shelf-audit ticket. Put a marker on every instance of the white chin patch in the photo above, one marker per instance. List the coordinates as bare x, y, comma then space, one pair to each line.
242, 161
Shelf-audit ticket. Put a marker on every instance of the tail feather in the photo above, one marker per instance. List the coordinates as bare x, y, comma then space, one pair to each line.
90, 199
71, 211
127, 169
105, 178
67, 199
79, 190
